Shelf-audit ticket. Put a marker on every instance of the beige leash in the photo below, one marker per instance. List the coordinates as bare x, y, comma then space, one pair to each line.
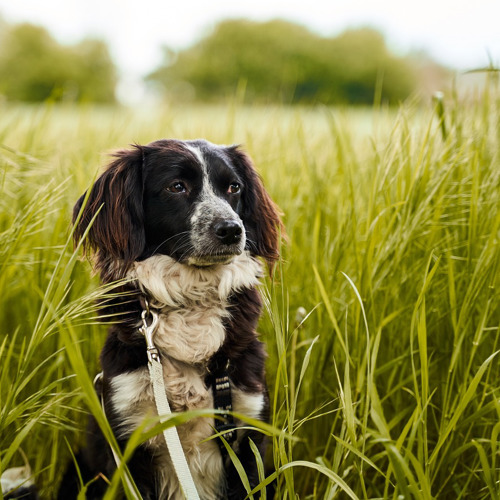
171, 436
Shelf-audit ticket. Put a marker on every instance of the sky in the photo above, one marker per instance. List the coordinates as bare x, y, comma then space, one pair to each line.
461, 34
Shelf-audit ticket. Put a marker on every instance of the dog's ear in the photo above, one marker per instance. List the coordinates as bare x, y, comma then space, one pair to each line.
260, 214
114, 207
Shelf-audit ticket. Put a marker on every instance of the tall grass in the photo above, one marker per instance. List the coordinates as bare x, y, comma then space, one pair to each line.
382, 321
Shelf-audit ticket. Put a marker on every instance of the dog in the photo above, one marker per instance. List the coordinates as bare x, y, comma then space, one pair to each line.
185, 225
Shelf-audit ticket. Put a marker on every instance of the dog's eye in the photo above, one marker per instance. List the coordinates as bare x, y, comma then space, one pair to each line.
234, 188
177, 187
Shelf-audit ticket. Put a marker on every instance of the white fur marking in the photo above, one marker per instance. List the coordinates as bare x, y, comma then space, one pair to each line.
246, 403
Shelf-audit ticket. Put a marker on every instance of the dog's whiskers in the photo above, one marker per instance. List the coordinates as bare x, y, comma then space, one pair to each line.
170, 238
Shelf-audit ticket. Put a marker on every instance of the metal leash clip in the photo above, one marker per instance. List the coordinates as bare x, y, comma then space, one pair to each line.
148, 332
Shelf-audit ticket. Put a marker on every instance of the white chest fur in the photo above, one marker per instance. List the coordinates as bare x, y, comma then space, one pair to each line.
193, 302
193, 306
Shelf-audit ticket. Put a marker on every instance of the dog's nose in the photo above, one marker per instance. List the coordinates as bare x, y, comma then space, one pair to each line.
228, 231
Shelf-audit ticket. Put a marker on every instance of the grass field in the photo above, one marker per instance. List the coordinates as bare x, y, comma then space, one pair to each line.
382, 322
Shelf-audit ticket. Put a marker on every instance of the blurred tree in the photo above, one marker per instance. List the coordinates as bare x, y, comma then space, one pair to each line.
283, 61
361, 59
34, 67
94, 71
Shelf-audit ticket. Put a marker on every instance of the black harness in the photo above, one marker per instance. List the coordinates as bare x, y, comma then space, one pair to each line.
221, 388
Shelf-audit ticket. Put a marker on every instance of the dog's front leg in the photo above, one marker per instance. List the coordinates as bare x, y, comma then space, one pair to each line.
235, 489
142, 467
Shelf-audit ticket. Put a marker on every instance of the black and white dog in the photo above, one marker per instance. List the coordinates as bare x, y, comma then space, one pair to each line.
184, 222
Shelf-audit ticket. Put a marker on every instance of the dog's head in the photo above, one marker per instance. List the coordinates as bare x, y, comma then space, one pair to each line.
199, 203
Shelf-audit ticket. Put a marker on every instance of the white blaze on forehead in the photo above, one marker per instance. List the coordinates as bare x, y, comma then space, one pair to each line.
196, 151
207, 190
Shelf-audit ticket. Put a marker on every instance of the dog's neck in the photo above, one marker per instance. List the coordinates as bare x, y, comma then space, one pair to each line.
192, 302
169, 284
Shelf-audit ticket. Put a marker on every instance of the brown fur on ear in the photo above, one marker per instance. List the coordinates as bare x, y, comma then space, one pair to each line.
261, 215
115, 200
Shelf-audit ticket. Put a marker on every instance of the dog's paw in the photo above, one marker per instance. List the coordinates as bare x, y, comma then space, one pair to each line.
17, 483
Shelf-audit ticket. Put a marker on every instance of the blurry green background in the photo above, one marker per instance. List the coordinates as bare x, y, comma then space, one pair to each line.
265, 62
390, 383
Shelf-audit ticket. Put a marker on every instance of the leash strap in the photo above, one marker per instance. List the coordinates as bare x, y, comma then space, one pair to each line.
171, 436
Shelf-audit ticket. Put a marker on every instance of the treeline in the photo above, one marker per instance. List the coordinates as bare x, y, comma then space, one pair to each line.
34, 67
275, 61
282, 61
